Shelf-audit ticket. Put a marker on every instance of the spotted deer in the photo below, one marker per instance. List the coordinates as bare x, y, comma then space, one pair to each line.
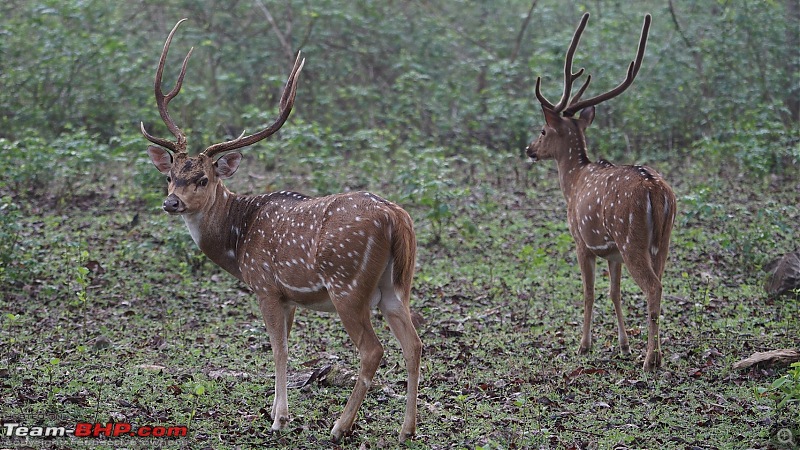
623, 214
344, 253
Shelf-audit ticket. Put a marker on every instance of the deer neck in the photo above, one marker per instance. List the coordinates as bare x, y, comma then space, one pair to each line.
571, 163
219, 228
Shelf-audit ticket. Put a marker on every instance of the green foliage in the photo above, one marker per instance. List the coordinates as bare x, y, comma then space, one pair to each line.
753, 244
26, 163
449, 74
59, 167
77, 63
757, 143
785, 389
9, 234
751, 237
189, 260
427, 180
700, 205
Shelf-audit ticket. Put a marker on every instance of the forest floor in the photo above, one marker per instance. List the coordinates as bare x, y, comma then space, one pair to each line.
119, 318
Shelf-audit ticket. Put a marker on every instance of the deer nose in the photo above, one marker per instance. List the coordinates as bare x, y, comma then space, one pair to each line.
531, 152
173, 204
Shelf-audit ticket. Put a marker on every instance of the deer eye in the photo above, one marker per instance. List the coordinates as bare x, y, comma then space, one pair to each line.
543, 132
203, 182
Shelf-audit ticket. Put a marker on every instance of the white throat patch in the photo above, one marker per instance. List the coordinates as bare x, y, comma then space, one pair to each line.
193, 224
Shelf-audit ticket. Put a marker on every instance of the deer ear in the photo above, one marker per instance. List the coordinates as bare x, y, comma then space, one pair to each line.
552, 118
226, 165
586, 118
161, 158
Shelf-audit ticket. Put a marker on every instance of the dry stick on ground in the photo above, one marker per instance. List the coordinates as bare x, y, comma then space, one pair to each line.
773, 357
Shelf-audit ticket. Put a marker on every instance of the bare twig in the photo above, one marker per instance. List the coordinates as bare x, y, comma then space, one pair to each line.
522, 30
282, 37
678, 28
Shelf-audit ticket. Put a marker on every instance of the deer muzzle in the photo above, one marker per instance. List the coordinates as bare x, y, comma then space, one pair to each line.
174, 205
531, 152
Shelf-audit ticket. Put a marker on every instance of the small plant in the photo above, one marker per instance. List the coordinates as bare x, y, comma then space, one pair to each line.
12, 320
190, 259
531, 258
428, 182
50, 371
784, 390
700, 205
438, 211
197, 390
82, 280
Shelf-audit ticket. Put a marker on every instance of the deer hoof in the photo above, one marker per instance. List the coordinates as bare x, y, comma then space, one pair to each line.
406, 435
336, 432
652, 362
625, 350
280, 422
408, 430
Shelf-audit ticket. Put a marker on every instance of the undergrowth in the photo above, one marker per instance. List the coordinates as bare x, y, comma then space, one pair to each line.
111, 314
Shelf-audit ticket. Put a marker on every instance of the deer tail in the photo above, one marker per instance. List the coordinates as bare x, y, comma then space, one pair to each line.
404, 252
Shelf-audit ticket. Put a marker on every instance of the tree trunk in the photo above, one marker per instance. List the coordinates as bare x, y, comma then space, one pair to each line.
793, 59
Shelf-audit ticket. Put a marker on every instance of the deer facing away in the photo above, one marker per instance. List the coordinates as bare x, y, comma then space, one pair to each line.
344, 253
623, 214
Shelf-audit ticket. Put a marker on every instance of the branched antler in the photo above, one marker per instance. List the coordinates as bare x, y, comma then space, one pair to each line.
569, 108
179, 145
162, 100
569, 77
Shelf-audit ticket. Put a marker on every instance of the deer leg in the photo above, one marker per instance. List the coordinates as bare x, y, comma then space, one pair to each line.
356, 319
660, 259
615, 275
276, 319
586, 261
399, 318
648, 281
652, 360
289, 320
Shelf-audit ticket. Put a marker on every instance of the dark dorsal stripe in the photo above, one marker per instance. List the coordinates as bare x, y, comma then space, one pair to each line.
644, 172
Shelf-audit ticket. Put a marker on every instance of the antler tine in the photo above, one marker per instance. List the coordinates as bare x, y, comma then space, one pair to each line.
286, 104
577, 96
162, 100
539, 95
633, 69
569, 76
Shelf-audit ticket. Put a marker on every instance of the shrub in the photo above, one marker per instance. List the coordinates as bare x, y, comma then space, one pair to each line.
785, 389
